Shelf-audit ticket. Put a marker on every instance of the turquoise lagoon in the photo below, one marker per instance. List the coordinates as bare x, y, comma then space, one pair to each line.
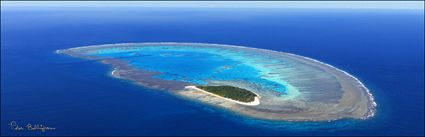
290, 87
198, 65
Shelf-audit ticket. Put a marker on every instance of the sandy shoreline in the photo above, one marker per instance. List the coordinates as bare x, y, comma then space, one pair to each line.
252, 103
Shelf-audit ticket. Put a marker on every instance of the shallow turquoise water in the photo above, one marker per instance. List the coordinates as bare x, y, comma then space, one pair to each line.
196, 65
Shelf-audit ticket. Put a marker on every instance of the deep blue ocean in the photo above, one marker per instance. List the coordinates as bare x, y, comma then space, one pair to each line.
384, 48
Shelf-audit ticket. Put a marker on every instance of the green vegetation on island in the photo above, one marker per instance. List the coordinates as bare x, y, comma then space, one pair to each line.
234, 93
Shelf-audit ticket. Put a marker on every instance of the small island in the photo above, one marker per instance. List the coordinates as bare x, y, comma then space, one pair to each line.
234, 94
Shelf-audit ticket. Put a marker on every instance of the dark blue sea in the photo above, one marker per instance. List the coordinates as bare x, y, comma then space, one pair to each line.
384, 48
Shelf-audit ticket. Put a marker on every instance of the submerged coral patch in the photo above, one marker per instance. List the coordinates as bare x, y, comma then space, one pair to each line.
291, 87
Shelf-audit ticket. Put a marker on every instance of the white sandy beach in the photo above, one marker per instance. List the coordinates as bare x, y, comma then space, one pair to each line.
252, 103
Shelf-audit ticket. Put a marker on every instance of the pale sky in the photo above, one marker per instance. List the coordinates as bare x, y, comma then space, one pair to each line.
227, 4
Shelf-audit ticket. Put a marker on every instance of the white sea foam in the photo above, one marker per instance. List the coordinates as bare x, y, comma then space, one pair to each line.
372, 105
113, 72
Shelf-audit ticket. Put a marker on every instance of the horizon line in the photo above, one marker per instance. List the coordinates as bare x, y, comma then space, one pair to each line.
224, 4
